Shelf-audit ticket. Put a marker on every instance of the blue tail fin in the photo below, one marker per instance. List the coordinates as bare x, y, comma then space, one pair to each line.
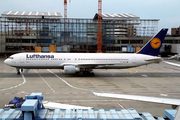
154, 44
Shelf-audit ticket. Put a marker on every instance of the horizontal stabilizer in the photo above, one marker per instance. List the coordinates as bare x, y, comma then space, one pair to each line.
154, 59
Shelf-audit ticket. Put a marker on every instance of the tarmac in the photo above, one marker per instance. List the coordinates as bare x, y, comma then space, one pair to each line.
159, 80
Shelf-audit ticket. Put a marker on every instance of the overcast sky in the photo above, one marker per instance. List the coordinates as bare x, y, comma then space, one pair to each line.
168, 11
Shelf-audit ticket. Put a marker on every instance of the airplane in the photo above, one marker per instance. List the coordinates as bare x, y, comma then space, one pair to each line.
73, 63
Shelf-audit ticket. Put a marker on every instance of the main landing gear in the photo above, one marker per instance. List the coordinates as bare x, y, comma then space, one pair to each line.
88, 72
18, 71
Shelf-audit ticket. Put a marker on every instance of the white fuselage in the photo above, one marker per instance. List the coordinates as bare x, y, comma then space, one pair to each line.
82, 60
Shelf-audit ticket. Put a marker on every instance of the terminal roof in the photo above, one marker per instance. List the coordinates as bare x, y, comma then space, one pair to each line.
120, 16
24, 14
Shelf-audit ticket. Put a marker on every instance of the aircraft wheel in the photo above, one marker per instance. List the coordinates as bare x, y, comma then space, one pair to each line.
87, 73
92, 74
18, 73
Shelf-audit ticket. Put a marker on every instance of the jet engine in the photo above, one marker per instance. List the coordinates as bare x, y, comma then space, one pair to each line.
71, 69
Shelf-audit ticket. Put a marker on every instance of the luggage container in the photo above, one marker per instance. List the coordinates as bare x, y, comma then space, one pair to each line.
129, 48
124, 49
59, 49
132, 49
45, 49
137, 49
52, 48
66, 48
38, 49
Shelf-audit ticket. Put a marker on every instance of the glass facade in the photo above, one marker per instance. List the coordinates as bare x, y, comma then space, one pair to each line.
21, 34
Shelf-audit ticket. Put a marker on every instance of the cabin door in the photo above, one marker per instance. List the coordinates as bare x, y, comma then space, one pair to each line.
21, 59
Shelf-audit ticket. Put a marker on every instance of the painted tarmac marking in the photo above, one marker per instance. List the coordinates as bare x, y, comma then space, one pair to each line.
24, 81
164, 95
45, 81
89, 93
68, 83
175, 64
22, 92
135, 71
121, 106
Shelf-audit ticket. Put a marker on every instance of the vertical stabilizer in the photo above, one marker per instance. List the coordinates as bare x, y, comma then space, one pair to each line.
154, 44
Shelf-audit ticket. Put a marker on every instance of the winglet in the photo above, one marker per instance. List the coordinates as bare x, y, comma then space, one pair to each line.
154, 44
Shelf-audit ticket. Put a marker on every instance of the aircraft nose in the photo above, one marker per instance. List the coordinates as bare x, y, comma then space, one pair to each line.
7, 61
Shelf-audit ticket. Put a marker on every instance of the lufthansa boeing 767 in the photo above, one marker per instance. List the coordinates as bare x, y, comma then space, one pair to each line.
73, 63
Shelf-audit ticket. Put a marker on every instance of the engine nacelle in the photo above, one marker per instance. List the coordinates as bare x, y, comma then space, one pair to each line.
71, 69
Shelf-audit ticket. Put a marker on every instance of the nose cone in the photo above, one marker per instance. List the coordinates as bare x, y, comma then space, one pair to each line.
7, 61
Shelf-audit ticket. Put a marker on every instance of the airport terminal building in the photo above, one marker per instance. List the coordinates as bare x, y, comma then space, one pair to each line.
50, 32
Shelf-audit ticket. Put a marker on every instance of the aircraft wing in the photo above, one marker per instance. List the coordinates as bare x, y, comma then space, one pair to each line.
169, 101
173, 102
53, 105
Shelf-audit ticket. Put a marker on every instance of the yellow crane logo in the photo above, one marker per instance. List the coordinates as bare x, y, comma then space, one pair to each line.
155, 43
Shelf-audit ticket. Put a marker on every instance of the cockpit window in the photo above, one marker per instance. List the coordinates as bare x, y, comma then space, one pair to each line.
11, 57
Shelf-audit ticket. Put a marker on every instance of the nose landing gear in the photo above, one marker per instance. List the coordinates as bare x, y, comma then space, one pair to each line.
18, 71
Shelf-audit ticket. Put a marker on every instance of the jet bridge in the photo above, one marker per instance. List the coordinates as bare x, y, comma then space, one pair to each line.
33, 109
